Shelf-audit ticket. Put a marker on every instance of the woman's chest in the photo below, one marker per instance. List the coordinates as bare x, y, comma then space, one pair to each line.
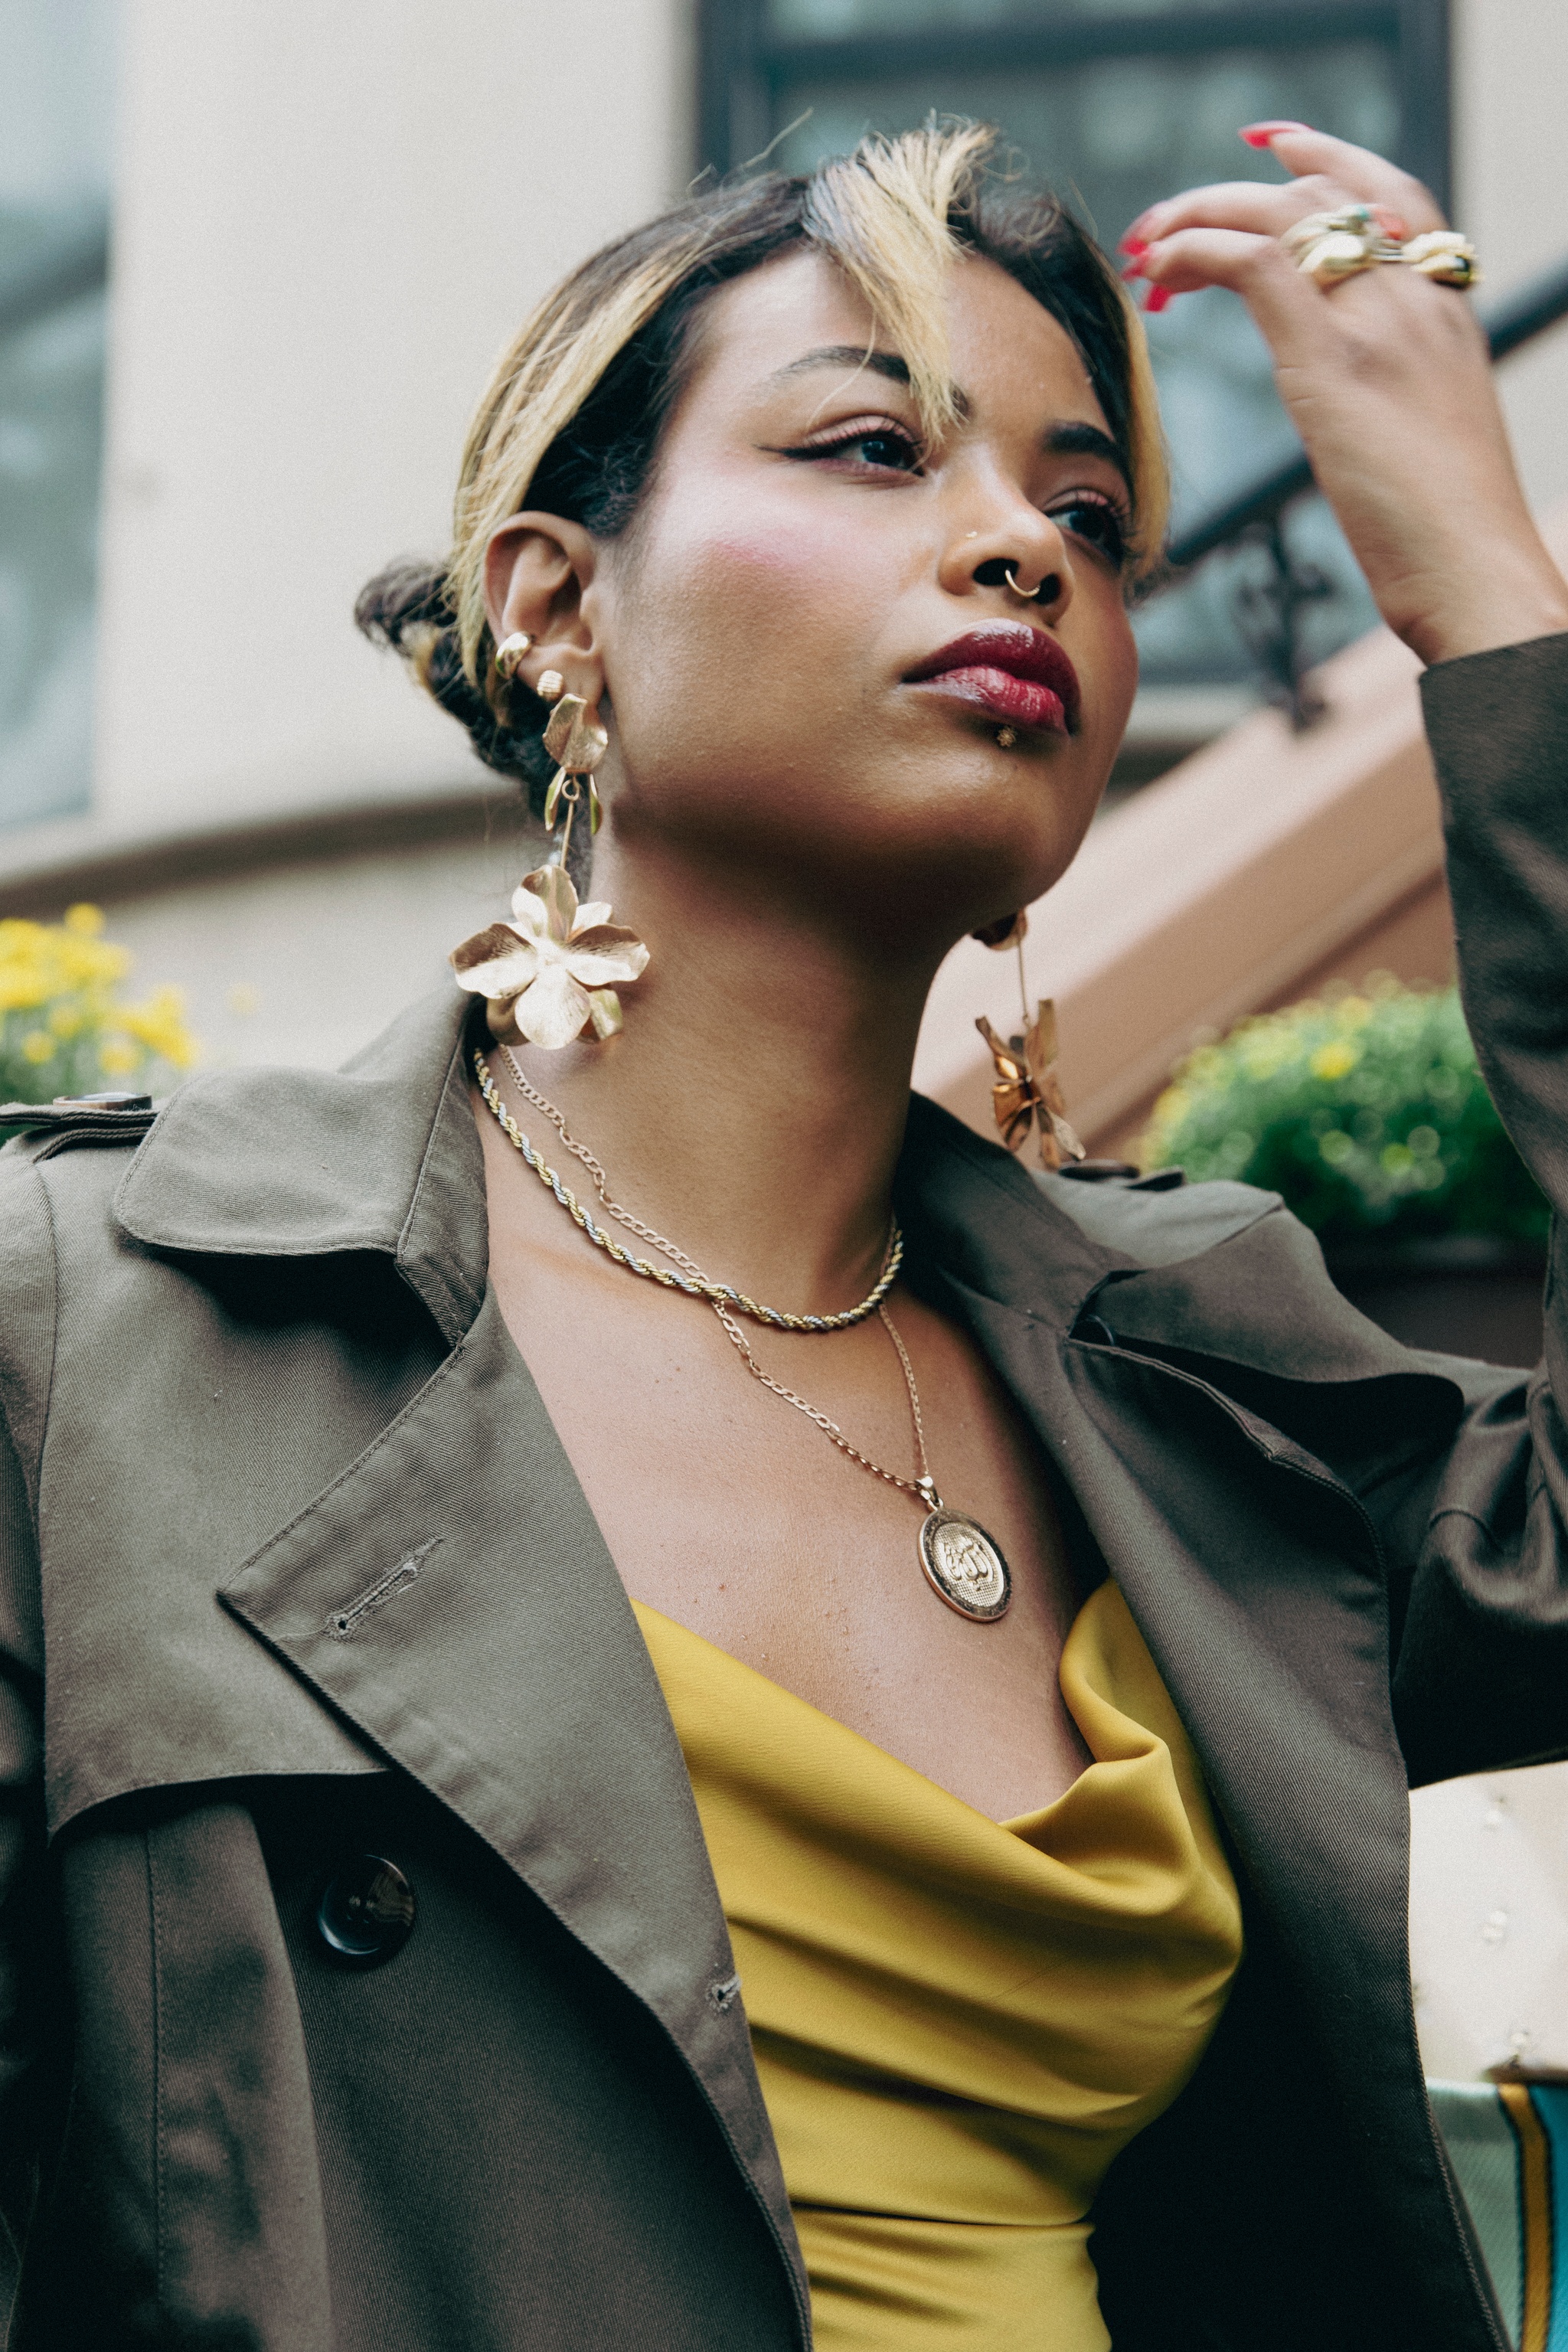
729, 1509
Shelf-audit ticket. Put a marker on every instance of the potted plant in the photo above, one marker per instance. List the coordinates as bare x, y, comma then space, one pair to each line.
1366, 1110
63, 1029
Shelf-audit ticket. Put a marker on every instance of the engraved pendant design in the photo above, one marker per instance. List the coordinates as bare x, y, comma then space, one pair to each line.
964, 1566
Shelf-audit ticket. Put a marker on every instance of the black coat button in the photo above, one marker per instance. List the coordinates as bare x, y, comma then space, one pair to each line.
367, 1911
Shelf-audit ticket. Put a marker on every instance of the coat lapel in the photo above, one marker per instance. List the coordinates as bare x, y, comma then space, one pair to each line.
449, 1594
1250, 1566
452, 1596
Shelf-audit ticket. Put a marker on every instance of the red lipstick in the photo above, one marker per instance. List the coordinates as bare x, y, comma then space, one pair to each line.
1014, 674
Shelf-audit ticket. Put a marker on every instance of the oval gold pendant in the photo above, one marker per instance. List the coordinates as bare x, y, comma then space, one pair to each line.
964, 1566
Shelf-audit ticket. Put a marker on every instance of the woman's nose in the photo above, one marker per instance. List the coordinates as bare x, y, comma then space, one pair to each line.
1046, 591
1024, 556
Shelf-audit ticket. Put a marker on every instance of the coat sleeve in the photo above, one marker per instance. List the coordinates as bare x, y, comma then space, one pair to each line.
29, 1977
1480, 1669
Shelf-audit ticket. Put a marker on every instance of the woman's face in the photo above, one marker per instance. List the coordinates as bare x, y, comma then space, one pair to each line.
781, 634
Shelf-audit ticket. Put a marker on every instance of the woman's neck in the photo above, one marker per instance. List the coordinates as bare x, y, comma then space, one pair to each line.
753, 1108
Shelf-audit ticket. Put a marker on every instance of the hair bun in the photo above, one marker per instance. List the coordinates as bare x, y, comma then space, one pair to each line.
407, 607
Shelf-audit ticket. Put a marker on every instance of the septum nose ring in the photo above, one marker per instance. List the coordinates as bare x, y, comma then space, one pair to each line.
1024, 596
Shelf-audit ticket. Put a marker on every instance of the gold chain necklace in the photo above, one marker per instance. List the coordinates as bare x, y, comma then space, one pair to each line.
964, 1565
695, 1284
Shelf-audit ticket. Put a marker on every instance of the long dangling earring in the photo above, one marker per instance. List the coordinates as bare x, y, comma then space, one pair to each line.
1027, 1092
576, 740
553, 970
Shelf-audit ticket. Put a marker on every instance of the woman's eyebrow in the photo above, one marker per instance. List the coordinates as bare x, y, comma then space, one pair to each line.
1082, 440
853, 356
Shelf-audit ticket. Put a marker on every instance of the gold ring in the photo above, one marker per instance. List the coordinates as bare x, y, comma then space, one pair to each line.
1024, 596
1327, 246
1443, 254
1330, 247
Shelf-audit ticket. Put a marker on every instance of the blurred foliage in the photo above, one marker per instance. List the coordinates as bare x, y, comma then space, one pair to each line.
63, 1030
1366, 1111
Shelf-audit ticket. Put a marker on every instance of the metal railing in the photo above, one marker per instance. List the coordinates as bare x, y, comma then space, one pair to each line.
1269, 611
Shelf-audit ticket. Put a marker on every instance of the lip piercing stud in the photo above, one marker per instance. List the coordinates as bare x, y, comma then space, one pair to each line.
1006, 736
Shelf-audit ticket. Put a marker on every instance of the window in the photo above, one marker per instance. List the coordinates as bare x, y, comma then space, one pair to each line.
1112, 103
55, 89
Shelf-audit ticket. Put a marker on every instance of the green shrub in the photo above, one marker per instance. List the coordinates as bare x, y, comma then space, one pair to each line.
1367, 1111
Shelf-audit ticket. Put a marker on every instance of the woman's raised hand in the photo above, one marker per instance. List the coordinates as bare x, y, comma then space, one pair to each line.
1386, 378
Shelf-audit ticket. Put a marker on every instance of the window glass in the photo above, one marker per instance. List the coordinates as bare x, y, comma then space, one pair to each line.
1110, 136
56, 70
839, 19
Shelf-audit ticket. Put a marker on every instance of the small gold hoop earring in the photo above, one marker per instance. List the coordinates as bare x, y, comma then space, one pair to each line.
511, 651
1024, 596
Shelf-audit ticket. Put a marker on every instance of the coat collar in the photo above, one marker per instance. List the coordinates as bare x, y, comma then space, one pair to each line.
380, 1155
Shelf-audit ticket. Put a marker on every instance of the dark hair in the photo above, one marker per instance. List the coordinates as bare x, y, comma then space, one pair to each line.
597, 468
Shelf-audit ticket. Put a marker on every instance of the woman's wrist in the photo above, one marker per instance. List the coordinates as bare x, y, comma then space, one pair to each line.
1485, 598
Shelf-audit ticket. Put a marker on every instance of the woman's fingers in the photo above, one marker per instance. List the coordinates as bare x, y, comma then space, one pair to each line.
1386, 378
1280, 298
1256, 204
1212, 255
1328, 174
1369, 178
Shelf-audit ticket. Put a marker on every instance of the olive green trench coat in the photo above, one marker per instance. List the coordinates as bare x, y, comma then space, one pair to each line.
295, 1578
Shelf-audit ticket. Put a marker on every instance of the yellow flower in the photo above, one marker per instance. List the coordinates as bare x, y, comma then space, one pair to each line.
159, 1025
65, 975
1335, 1061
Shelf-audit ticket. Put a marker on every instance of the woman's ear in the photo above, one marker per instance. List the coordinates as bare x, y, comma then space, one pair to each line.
537, 571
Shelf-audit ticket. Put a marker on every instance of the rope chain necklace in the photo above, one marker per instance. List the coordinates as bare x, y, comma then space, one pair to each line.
692, 1279
963, 1564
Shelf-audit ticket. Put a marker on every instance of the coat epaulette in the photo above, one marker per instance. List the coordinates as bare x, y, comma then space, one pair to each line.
49, 1128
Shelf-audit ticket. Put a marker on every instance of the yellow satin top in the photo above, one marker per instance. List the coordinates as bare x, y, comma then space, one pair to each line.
957, 2022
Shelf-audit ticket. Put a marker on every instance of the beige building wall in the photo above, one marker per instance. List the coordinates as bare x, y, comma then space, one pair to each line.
1510, 87
328, 221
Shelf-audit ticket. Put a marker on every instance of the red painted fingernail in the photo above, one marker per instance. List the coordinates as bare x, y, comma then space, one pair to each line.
1158, 297
1136, 246
1261, 135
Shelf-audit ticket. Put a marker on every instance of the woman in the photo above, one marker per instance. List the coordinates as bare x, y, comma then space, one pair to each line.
548, 1848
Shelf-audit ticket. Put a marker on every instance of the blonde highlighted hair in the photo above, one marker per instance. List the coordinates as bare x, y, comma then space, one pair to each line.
571, 418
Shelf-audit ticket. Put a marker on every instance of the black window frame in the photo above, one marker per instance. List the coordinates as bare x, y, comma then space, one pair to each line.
743, 67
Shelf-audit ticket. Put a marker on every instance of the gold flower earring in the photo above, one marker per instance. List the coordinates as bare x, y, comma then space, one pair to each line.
1026, 1091
554, 969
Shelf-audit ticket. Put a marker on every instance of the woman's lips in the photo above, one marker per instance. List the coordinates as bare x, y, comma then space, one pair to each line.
1011, 672
1001, 696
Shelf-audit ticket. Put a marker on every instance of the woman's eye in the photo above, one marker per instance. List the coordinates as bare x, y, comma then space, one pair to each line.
883, 451
1097, 521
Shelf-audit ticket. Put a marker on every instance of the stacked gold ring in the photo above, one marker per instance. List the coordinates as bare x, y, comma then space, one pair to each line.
1329, 246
